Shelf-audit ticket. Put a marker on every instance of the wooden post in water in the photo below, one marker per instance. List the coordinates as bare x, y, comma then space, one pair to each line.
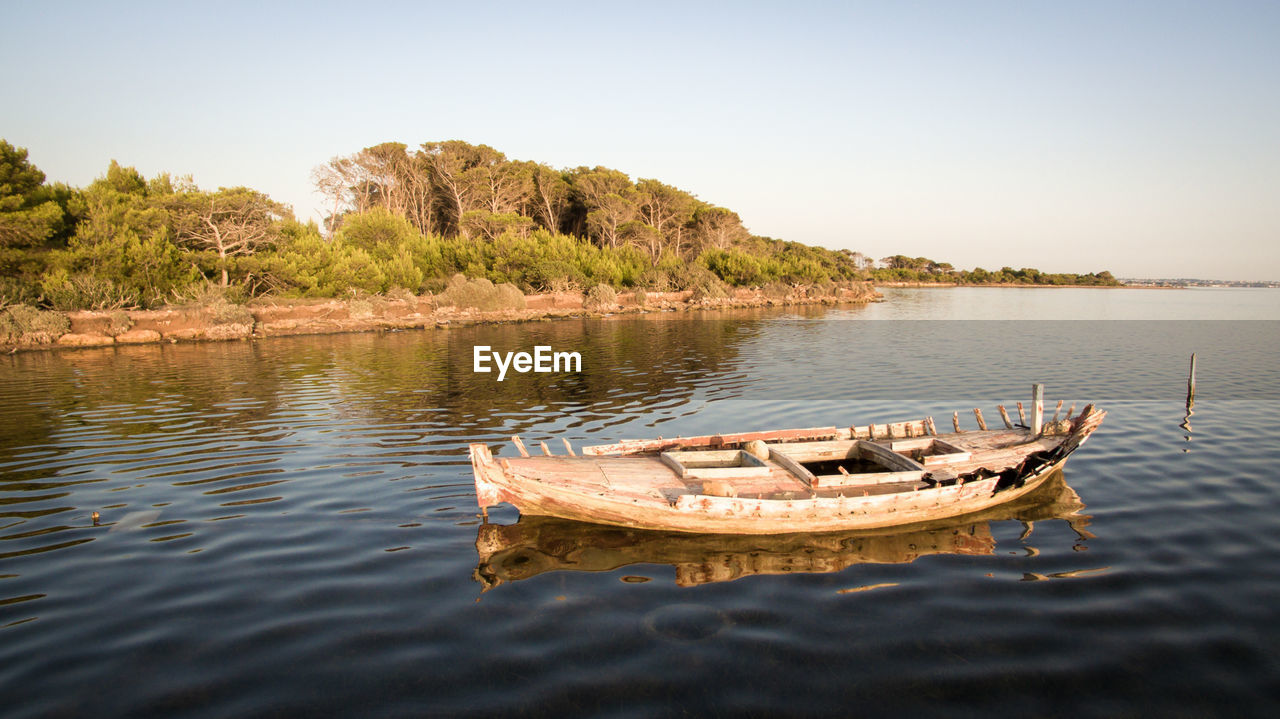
1037, 408
1191, 383
1004, 415
1191, 400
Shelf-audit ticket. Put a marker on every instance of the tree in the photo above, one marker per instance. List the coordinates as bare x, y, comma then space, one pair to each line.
230, 222
30, 214
717, 227
611, 213
453, 166
609, 201
384, 168
122, 253
550, 195
667, 210
643, 235
331, 180
492, 225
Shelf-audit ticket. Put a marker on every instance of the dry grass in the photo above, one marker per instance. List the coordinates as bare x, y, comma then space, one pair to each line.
601, 297
26, 324
481, 294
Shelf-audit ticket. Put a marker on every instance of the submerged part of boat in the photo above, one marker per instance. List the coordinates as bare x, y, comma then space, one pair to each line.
537, 545
824, 479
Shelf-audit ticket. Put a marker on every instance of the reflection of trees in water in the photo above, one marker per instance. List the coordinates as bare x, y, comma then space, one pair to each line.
427, 380
536, 545
420, 382
133, 391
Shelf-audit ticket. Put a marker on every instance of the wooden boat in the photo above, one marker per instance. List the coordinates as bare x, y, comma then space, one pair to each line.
824, 479
536, 545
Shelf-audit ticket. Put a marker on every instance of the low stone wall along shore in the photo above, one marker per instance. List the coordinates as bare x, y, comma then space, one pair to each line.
30, 330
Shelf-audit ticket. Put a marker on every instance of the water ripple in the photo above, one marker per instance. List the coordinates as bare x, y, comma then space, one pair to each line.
289, 526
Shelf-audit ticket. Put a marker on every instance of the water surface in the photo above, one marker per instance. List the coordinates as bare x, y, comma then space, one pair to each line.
288, 526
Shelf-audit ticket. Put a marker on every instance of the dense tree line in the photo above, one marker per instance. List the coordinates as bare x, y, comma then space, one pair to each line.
900, 268
398, 219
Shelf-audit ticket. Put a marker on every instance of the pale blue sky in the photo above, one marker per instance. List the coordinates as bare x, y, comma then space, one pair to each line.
1140, 137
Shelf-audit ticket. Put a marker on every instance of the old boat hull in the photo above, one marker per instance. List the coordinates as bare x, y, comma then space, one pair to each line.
638, 484
535, 545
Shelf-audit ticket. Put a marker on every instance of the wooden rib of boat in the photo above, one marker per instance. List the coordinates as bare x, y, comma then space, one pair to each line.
824, 479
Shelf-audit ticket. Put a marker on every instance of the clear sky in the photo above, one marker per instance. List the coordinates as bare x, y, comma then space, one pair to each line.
1140, 137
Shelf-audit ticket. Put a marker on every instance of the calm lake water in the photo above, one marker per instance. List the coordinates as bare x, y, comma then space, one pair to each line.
288, 526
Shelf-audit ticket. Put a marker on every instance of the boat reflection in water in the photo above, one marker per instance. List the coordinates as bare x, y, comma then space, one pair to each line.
534, 544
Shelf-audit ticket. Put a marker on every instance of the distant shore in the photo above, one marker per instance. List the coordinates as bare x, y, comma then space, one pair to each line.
285, 317
1016, 285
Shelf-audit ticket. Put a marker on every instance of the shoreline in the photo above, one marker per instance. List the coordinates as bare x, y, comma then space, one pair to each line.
1015, 286
282, 318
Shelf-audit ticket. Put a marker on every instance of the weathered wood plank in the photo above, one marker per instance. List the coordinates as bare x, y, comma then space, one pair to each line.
1037, 408
675, 464
982, 423
949, 458
775, 435
1004, 415
817, 451
955, 420
792, 466
830, 481
725, 472
515, 439
887, 457
1191, 383
705, 456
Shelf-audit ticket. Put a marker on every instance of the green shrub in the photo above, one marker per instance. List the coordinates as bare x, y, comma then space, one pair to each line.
641, 298
708, 288
225, 313
360, 308
15, 290
481, 294
9, 331
28, 324
655, 279
404, 295
355, 269
824, 288
776, 291
601, 297
118, 323
85, 290
738, 268
509, 297
216, 302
